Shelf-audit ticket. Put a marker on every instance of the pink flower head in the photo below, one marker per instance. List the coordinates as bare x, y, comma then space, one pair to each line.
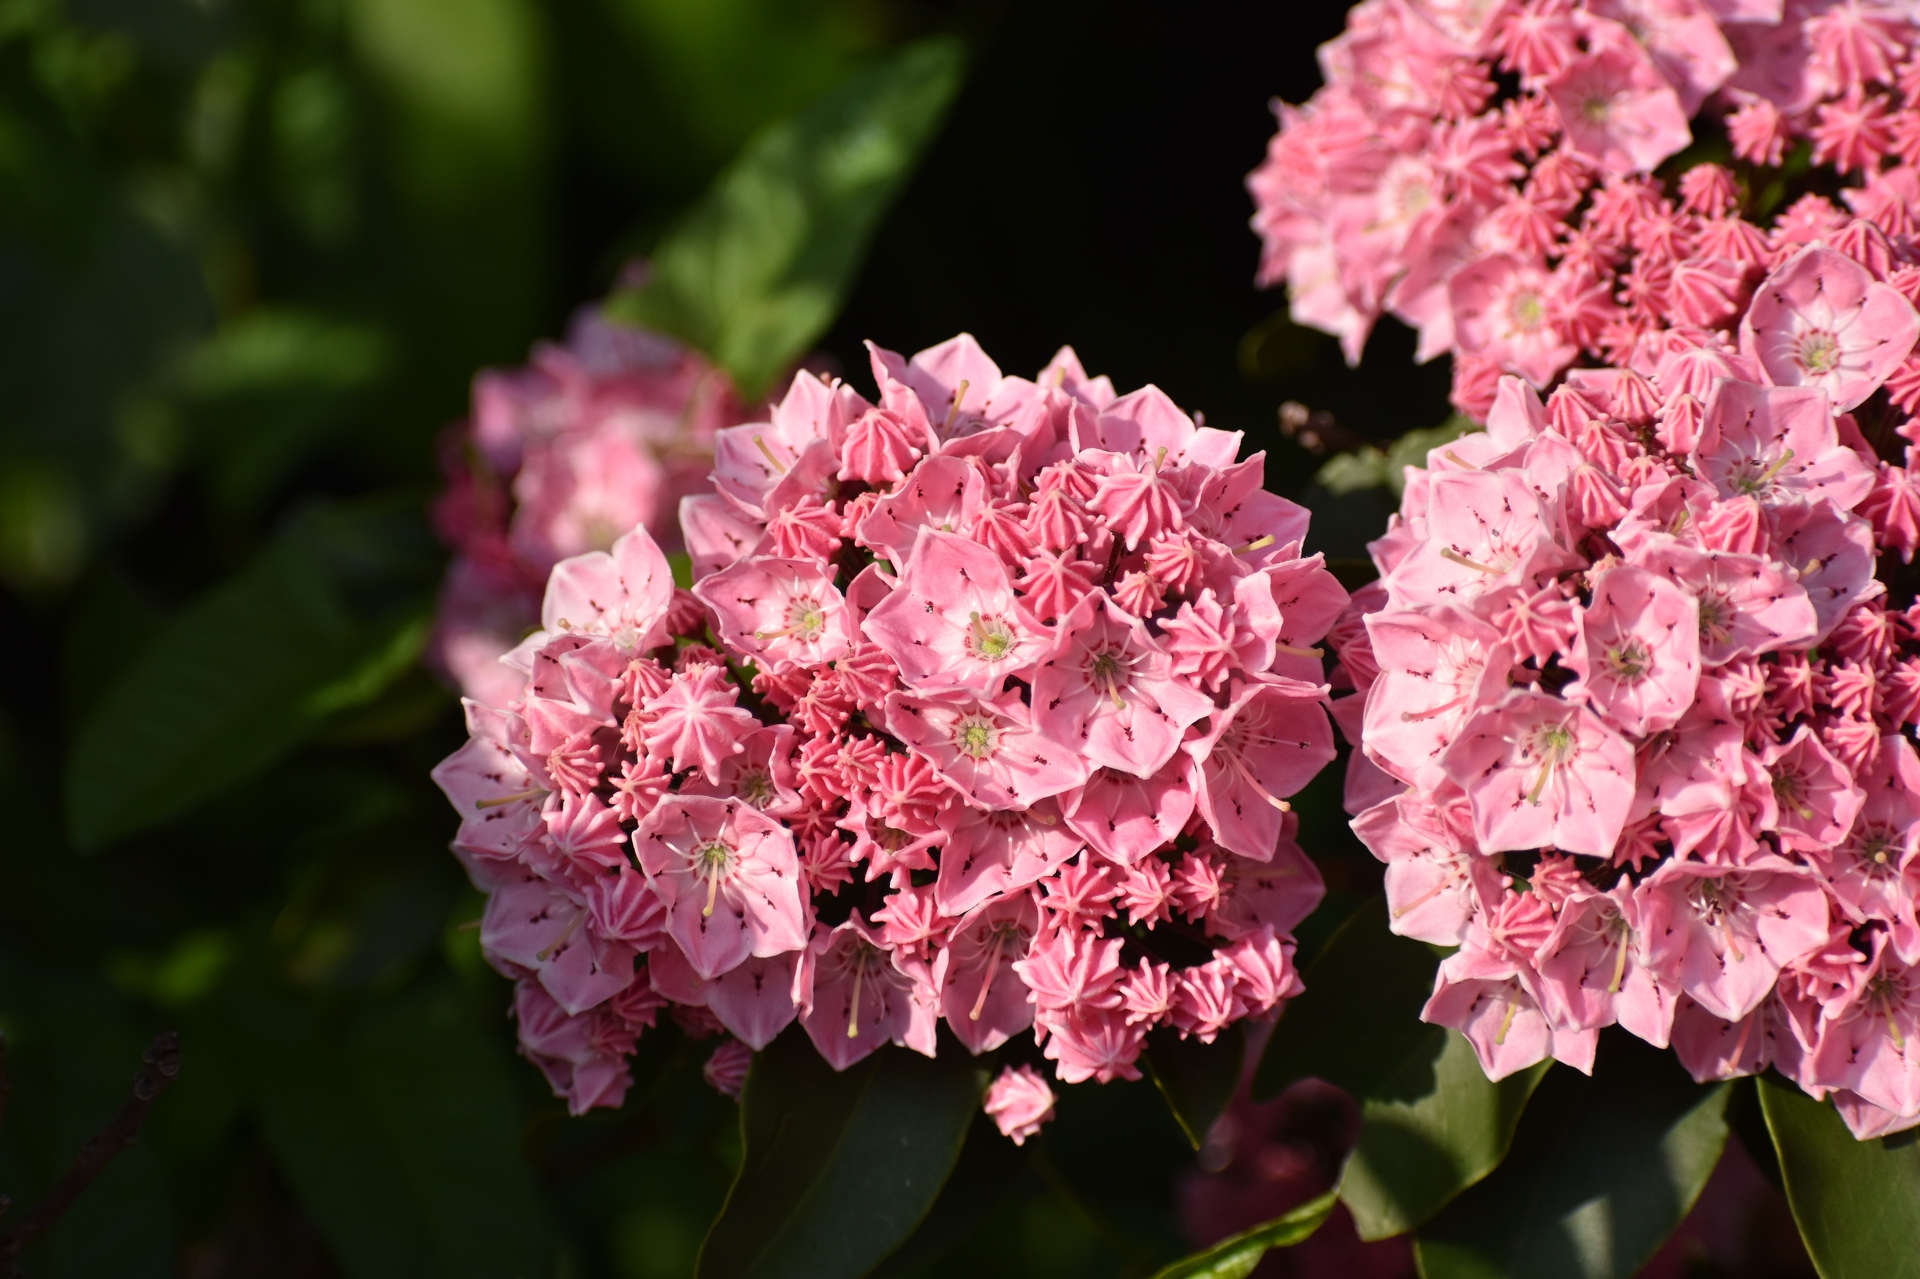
532, 928
1019, 1102
1637, 654
1539, 771
729, 877
696, 722
1106, 689
781, 612
953, 622
585, 1072
1821, 320
855, 995
1264, 745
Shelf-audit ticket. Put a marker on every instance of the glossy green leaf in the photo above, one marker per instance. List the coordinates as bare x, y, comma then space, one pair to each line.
1430, 1132
1196, 1079
1432, 1124
1235, 1258
238, 678
756, 271
1358, 1022
840, 1166
400, 1135
989, 1169
1857, 1202
1602, 1170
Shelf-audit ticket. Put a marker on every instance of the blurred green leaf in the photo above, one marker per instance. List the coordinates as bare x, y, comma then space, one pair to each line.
756, 271
989, 1169
1432, 1124
1386, 468
1857, 1202
1196, 1079
234, 681
72, 1056
262, 393
840, 1166
1602, 1170
400, 1134
1235, 1258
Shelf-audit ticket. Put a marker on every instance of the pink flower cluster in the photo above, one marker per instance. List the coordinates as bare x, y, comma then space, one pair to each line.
559, 457
1481, 170
982, 709
1636, 712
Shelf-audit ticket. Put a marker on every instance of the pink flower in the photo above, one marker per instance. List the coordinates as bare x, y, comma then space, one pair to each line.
1637, 654
855, 995
1617, 110
622, 595
988, 749
729, 877
981, 995
1821, 320
1019, 1102
1502, 310
726, 1068
1540, 771
1488, 1002
1777, 445
1106, 690
1124, 817
993, 852
1265, 744
586, 1073
695, 723
782, 612
1732, 930
953, 622
1436, 668
1598, 967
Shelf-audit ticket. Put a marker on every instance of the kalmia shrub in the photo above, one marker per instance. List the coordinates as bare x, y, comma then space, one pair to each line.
982, 710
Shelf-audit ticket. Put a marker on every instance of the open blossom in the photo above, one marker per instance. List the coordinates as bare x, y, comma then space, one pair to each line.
984, 707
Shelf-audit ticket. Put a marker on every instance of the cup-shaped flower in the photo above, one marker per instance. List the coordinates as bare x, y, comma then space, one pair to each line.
1636, 655
986, 747
783, 613
622, 594
1265, 744
855, 995
1821, 319
729, 877
1539, 771
1437, 666
954, 622
1107, 690
981, 996
1777, 445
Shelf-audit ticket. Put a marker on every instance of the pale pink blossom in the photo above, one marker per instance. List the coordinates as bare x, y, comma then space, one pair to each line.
1019, 1102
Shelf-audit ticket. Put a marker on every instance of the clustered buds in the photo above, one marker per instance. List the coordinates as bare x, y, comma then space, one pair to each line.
1484, 171
982, 709
559, 457
1635, 704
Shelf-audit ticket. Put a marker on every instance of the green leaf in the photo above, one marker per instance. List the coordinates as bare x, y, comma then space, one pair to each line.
1235, 1258
839, 1167
401, 1137
1857, 1202
1432, 1124
235, 680
989, 1169
1196, 1079
1436, 1128
1386, 468
756, 271
1601, 1172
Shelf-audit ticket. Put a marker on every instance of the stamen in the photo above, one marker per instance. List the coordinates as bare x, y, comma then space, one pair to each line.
713, 889
561, 940
1448, 553
761, 441
1619, 963
1291, 651
993, 966
1423, 899
1257, 544
514, 798
1414, 717
1506, 1023
1247, 776
953, 411
853, 1017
